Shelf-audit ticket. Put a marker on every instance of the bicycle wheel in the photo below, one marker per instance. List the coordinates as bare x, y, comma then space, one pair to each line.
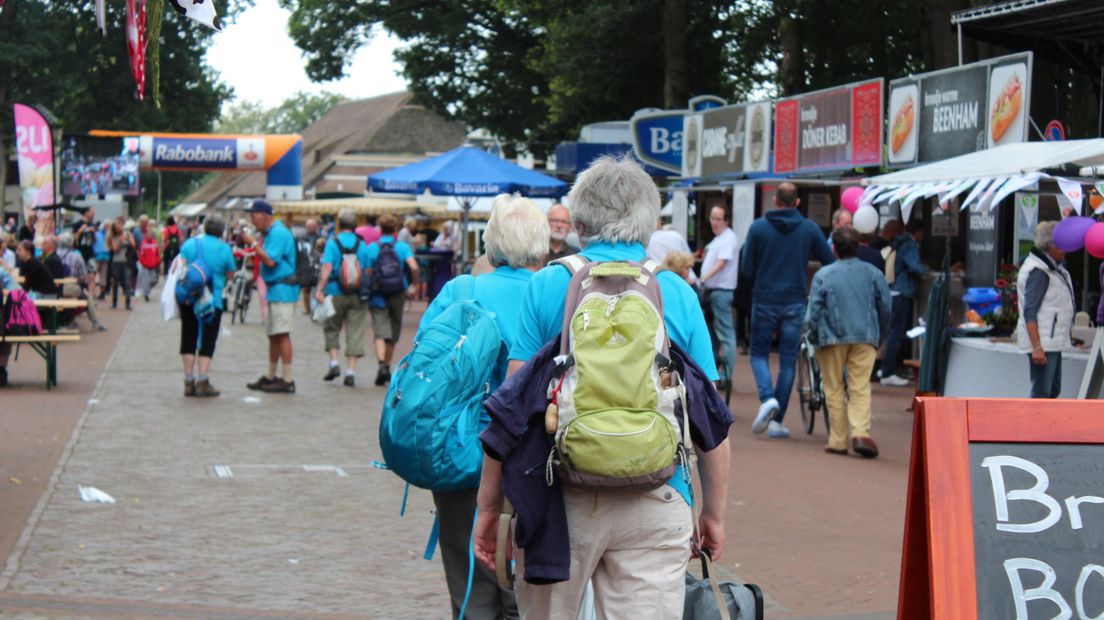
806, 390
243, 304
236, 304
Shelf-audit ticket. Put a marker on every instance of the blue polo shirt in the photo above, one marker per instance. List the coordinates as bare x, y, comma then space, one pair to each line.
541, 312
279, 243
497, 292
401, 249
218, 257
332, 255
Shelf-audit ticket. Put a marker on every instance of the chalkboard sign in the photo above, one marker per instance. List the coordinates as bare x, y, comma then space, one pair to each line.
1005, 513
1038, 529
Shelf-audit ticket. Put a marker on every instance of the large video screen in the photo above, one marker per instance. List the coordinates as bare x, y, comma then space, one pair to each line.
94, 166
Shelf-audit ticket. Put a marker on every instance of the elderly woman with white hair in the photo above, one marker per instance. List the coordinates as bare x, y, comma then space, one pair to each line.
516, 240
632, 545
1047, 307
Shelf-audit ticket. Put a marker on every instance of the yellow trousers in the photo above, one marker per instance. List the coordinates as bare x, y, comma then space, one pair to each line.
853, 412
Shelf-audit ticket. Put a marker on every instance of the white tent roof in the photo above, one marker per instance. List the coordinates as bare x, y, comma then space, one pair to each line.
1010, 160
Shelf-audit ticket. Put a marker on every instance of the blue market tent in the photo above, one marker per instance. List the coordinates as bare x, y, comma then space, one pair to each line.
466, 171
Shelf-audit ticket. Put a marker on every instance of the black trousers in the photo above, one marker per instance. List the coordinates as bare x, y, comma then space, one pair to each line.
120, 277
192, 342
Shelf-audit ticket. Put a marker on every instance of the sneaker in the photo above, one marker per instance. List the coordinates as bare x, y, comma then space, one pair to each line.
766, 410
895, 381
259, 384
279, 386
333, 373
350, 381
775, 430
189, 388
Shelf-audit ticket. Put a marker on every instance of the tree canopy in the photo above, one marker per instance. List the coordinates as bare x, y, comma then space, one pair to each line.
534, 71
291, 116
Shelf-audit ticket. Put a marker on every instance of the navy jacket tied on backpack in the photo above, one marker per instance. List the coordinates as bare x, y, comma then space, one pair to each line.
516, 436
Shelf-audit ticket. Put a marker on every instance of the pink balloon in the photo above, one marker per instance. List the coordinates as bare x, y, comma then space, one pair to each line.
849, 199
1094, 240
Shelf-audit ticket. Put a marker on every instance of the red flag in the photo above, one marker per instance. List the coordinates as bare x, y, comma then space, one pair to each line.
136, 43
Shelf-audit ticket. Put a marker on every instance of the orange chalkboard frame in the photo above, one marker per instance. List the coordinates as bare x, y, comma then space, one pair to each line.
937, 564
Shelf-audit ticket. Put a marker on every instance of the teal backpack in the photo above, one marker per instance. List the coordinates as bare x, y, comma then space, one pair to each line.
433, 412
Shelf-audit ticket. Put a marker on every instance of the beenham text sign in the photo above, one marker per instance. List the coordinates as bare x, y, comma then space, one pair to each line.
658, 138
937, 115
1005, 512
832, 129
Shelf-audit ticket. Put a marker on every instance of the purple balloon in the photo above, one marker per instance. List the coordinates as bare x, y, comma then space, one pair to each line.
1069, 234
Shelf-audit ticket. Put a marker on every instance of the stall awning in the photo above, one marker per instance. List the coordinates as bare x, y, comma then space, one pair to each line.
187, 209
361, 205
985, 177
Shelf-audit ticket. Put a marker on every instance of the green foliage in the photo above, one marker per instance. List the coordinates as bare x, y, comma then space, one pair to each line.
52, 54
291, 116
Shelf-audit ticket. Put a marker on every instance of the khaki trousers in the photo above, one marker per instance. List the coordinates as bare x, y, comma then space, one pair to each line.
853, 412
351, 313
633, 547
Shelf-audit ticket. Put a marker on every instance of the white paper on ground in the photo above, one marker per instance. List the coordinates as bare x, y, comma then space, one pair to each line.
251, 400
916, 332
92, 494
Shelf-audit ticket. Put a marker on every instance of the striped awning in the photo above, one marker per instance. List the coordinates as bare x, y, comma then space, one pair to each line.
397, 205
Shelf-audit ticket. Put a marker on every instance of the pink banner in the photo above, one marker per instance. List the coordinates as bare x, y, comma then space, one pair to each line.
136, 44
34, 145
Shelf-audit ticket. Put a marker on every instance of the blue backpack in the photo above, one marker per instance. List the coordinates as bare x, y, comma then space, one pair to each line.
433, 412
388, 278
191, 284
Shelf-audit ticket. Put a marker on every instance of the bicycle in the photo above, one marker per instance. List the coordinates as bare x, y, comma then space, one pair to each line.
810, 388
719, 357
241, 288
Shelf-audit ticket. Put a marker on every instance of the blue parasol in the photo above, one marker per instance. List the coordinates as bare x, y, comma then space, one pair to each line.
466, 172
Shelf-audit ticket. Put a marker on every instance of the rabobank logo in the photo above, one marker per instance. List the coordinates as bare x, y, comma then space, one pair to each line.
194, 153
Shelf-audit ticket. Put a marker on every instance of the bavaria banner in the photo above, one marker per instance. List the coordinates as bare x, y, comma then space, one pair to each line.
34, 145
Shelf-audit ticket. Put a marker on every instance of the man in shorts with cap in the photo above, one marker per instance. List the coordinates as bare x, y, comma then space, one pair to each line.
276, 250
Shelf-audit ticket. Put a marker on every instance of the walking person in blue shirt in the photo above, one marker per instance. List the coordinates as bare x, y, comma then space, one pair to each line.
349, 310
387, 304
277, 252
198, 340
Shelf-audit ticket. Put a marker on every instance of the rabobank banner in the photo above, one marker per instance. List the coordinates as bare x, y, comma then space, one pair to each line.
203, 153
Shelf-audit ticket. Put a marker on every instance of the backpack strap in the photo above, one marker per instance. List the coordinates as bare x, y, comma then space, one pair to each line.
574, 263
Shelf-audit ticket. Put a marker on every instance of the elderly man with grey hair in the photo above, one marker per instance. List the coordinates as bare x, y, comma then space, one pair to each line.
340, 280
637, 572
517, 240
73, 263
1047, 300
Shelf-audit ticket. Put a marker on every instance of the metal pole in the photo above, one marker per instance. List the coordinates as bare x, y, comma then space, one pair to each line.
960, 44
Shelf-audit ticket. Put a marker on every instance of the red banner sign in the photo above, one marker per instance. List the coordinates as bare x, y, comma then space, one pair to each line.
832, 129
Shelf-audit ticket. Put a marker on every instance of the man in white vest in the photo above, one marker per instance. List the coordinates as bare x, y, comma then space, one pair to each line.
1046, 312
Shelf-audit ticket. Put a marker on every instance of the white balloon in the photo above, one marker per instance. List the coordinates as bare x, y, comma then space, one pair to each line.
865, 220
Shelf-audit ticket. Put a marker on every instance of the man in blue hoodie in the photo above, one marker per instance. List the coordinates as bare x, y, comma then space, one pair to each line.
776, 259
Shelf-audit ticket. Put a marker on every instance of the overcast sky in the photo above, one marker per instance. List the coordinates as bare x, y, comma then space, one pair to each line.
256, 56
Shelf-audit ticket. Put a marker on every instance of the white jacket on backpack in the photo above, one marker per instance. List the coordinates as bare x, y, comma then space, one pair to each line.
1056, 312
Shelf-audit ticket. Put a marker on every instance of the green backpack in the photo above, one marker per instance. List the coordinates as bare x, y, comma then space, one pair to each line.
616, 399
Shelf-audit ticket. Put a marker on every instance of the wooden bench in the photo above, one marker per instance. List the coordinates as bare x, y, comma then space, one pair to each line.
46, 346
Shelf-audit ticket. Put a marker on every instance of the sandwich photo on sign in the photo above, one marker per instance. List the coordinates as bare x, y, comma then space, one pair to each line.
903, 123
1006, 104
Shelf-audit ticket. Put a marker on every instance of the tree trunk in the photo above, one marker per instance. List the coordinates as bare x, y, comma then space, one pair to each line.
675, 66
7, 23
791, 72
939, 38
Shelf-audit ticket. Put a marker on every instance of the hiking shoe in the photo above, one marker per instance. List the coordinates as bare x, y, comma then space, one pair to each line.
259, 384
204, 389
766, 410
189, 388
775, 430
279, 386
383, 375
333, 373
99, 327
895, 381
350, 380
864, 447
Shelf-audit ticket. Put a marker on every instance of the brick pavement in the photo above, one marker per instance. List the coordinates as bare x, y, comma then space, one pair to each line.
821, 534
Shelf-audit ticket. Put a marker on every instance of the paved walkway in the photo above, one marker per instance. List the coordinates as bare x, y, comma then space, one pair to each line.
267, 506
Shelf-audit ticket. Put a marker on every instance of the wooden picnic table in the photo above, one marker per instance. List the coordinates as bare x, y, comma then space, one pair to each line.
45, 344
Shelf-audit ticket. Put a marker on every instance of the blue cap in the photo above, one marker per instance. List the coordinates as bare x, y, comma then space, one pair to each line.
260, 206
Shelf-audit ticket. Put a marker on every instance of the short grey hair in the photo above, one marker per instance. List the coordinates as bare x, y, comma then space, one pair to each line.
346, 219
1044, 234
615, 200
517, 232
65, 240
214, 226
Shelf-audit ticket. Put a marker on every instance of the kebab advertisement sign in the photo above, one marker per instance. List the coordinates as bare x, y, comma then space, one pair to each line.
942, 114
833, 129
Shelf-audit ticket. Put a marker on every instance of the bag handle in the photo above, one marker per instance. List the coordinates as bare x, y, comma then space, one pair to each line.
502, 567
706, 560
